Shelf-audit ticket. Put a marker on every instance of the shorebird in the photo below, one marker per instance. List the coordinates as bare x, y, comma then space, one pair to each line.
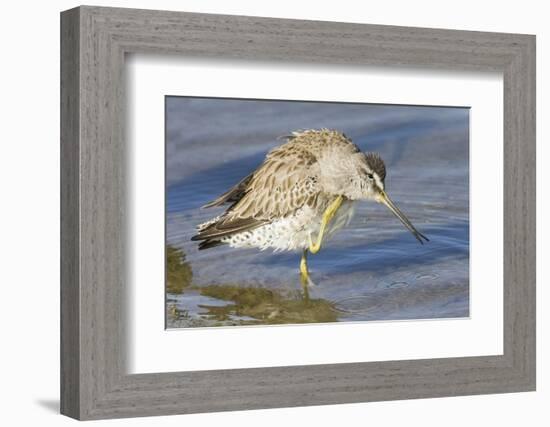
301, 194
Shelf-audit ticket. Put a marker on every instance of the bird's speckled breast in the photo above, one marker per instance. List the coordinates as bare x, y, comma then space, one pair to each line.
292, 232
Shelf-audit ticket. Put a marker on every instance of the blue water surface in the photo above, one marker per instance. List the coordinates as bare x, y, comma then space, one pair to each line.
372, 270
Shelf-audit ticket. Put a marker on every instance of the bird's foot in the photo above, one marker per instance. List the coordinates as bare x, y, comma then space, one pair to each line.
329, 213
314, 247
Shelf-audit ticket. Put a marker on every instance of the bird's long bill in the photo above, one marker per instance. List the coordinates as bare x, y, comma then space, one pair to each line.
383, 198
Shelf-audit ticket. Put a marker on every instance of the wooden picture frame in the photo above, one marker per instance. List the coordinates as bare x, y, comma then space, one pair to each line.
94, 382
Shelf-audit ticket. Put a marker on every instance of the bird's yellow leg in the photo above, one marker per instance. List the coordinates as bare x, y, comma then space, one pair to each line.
304, 272
327, 216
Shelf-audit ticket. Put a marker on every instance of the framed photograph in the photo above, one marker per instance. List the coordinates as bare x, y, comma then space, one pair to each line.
262, 213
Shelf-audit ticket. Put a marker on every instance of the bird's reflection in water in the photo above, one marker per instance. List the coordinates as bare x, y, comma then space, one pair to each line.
189, 305
225, 305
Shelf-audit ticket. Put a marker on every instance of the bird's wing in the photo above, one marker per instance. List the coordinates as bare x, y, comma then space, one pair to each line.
285, 182
282, 184
234, 194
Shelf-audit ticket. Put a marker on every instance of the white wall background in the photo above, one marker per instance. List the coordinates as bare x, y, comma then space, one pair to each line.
29, 225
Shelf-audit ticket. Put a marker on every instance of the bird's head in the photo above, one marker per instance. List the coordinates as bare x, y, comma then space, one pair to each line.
366, 181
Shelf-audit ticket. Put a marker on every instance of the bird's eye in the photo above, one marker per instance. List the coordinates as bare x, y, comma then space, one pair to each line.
369, 176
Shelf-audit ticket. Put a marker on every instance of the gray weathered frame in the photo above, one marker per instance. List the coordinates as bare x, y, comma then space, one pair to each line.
94, 42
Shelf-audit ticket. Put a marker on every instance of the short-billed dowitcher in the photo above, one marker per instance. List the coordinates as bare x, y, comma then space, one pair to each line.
299, 196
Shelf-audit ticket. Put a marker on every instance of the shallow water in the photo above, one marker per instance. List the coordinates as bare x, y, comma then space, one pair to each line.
372, 270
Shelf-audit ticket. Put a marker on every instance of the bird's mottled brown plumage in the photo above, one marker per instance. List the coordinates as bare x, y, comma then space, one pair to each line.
309, 170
